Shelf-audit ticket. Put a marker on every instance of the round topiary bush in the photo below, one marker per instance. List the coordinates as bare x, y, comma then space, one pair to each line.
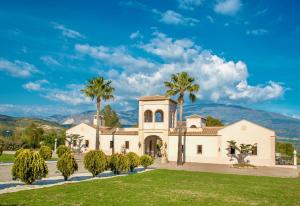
19, 151
67, 165
45, 152
119, 163
62, 149
29, 166
146, 160
95, 162
134, 160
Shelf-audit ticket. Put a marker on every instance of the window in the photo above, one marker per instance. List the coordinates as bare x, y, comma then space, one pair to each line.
74, 143
127, 144
254, 150
193, 126
148, 116
199, 149
87, 143
232, 151
111, 144
159, 116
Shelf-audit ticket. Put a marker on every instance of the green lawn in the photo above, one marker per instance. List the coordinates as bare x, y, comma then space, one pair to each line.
166, 187
7, 158
11, 158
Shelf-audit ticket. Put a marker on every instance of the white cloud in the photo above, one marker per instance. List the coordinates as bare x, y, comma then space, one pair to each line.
70, 33
227, 7
219, 80
115, 57
35, 86
189, 4
136, 35
48, 60
172, 17
261, 12
71, 95
257, 32
17, 68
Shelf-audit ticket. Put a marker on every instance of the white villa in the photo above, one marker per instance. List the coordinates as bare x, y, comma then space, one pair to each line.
202, 144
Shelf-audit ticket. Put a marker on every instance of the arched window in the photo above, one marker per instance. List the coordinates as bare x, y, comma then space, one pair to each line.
193, 126
159, 116
148, 116
87, 143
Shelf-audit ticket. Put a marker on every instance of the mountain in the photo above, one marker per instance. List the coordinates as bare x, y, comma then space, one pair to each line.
8, 123
283, 125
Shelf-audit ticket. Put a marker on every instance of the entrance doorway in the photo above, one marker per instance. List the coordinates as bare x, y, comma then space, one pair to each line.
152, 146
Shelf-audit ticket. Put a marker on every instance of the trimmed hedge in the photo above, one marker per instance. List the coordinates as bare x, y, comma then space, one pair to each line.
134, 160
45, 152
95, 162
67, 165
29, 166
62, 149
119, 163
146, 161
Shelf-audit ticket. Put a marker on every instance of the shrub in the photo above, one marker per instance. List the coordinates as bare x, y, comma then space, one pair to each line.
19, 151
29, 166
134, 160
95, 162
62, 149
67, 165
119, 163
146, 160
45, 152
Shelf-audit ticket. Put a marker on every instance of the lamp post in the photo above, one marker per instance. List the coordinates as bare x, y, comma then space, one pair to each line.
295, 157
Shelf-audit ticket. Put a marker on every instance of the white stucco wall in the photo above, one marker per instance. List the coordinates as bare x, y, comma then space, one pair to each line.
249, 133
87, 132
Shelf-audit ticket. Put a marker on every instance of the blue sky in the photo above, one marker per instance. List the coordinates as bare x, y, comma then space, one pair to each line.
240, 52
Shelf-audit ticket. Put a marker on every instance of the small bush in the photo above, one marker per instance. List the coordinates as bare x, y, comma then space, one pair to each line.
119, 163
134, 160
95, 162
146, 160
29, 166
19, 151
67, 165
45, 152
62, 149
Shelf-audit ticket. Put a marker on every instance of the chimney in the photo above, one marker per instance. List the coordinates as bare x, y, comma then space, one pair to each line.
102, 122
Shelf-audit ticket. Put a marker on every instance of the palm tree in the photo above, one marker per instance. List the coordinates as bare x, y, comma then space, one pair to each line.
180, 84
100, 89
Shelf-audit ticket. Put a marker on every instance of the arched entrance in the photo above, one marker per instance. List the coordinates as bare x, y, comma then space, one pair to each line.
152, 146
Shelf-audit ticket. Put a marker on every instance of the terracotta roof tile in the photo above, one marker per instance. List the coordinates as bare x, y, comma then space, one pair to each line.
207, 131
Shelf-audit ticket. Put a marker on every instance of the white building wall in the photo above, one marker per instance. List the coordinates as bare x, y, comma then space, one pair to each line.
245, 132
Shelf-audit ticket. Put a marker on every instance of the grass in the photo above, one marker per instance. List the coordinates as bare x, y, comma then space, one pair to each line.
11, 158
166, 187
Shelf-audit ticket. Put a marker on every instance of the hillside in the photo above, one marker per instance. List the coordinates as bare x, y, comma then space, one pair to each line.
19, 123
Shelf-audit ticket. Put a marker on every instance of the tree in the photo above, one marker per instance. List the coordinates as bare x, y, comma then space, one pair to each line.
32, 135
99, 89
212, 122
146, 160
244, 150
134, 160
74, 139
29, 166
67, 165
180, 84
284, 148
61, 150
95, 162
111, 118
45, 152
48, 138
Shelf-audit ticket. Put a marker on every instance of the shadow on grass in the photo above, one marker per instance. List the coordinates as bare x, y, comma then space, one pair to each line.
60, 179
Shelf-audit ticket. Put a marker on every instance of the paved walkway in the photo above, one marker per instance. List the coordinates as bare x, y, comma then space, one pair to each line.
228, 169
